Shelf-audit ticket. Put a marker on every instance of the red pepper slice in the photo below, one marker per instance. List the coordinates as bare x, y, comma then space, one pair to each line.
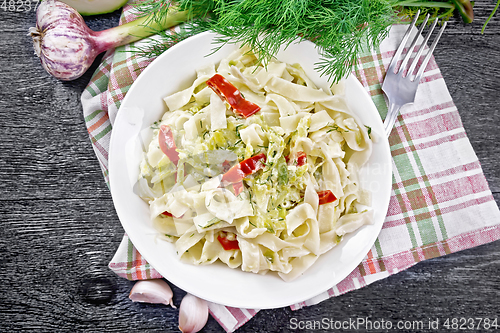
244, 168
167, 143
300, 157
228, 244
326, 197
228, 92
170, 214
238, 188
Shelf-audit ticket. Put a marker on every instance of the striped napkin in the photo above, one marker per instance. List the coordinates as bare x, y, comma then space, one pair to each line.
440, 201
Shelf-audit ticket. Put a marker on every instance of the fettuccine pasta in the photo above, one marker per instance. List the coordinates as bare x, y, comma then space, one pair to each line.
256, 167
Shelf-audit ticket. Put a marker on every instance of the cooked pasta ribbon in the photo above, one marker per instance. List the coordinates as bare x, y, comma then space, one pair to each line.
270, 191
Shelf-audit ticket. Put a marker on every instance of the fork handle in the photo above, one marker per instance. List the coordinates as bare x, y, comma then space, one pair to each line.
392, 114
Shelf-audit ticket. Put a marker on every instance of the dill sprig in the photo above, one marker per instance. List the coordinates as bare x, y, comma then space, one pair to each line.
341, 29
146, 7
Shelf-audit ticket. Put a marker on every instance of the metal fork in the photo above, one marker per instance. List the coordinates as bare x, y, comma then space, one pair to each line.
401, 90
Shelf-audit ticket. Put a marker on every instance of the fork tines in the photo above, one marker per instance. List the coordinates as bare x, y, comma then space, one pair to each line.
406, 59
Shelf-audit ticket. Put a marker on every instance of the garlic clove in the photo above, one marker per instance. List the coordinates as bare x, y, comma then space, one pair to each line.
193, 314
154, 291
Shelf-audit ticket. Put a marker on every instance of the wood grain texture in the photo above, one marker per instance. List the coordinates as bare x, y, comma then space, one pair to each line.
59, 230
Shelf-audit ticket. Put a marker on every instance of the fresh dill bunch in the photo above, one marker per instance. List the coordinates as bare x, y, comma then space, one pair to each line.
341, 29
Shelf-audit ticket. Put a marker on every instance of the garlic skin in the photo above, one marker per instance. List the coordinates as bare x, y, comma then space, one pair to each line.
154, 291
193, 314
62, 40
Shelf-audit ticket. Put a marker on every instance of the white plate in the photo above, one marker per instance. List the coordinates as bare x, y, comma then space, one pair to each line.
175, 70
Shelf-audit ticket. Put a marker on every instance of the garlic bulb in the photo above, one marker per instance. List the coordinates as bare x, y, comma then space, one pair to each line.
67, 47
62, 40
193, 314
152, 291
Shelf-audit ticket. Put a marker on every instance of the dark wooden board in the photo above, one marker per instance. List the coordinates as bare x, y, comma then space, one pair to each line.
59, 230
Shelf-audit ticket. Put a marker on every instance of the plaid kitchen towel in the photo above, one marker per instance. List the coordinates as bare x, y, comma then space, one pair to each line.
440, 201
